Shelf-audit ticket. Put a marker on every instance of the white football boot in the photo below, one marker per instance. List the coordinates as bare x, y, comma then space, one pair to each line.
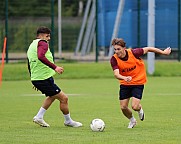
40, 122
73, 124
141, 114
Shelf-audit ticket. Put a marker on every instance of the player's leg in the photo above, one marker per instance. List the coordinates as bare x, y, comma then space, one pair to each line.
63, 102
38, 119
124, 97
136, 106
65, 110
137, 96
47, 102
127, 112
125, 109
46, 87
52, 91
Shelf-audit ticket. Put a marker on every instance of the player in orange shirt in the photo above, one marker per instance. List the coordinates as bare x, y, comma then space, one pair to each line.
129, 69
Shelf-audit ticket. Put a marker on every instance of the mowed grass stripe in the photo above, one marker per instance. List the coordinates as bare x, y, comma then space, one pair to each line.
161, 125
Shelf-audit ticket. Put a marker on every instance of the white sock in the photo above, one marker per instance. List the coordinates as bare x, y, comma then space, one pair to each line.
132, 119
41, 112
67, 117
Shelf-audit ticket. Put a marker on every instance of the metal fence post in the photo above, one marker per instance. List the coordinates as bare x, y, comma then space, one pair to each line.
52, 27
179, 53
6, 28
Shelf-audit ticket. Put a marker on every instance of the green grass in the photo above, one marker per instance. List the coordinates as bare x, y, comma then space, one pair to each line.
96, 98
19, 71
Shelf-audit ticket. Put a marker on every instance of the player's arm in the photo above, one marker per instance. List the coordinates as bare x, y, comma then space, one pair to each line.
42, 49
166, 51
115, 68
121, 77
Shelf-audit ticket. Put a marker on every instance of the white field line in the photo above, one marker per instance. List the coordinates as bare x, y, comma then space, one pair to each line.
165, 94
44, 95
152, 94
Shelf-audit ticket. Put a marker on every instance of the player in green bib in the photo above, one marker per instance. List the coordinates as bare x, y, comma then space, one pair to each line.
39, 71
42, 68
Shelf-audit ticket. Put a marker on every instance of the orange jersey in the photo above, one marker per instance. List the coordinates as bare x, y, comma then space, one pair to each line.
132, 67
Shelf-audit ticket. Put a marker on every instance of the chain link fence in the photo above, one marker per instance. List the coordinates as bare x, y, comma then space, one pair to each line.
24, 17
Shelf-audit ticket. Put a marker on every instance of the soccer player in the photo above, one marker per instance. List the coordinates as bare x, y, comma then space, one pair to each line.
129, 69
42, 68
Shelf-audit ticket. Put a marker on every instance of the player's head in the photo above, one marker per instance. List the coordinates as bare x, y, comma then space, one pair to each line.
119, 47
119, 41
43, 33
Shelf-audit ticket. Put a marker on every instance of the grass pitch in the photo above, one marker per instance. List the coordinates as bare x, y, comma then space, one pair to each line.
89, 99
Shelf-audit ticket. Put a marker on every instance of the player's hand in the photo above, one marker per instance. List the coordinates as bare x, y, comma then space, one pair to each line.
167, 51
59, 70
128, 78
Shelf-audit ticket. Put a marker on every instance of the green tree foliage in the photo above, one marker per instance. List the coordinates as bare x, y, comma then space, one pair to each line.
22, 8
25, 16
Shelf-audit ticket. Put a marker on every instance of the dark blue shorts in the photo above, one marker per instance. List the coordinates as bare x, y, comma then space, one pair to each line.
126, 91
47, 86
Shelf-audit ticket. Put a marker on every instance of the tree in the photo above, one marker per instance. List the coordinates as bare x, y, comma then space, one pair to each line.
38, 8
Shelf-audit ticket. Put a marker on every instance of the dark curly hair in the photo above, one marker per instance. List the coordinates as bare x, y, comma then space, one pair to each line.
43, 30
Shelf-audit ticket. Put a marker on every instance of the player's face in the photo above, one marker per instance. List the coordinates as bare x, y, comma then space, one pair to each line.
44, 37
120, 51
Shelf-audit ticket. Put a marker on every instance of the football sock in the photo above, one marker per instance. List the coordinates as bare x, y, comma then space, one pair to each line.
67, 117
41, 113
132, 119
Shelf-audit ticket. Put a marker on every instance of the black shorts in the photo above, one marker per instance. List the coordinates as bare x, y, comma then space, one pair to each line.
126, 91
47, 86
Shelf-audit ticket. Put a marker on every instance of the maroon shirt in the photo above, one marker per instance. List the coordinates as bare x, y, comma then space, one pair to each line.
42, 49
137, 52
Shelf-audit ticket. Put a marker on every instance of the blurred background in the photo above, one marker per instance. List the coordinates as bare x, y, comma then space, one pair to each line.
83, 29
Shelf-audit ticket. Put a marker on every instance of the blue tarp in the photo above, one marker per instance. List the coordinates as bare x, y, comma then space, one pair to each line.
166, 22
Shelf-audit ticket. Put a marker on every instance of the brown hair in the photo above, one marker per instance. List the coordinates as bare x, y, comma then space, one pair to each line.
118, 41
43, 30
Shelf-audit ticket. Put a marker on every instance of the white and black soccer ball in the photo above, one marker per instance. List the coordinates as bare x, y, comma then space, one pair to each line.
97, 125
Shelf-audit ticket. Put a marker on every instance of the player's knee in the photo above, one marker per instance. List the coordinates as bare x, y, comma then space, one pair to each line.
64, 99
124, 107
135, 107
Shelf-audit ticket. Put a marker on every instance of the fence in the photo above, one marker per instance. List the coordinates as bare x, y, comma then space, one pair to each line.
25, 16
134, 21
23, 21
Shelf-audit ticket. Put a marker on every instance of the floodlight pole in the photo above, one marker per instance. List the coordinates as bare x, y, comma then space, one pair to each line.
151, 35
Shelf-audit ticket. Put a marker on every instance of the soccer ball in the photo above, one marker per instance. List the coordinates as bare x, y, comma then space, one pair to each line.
97, 125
